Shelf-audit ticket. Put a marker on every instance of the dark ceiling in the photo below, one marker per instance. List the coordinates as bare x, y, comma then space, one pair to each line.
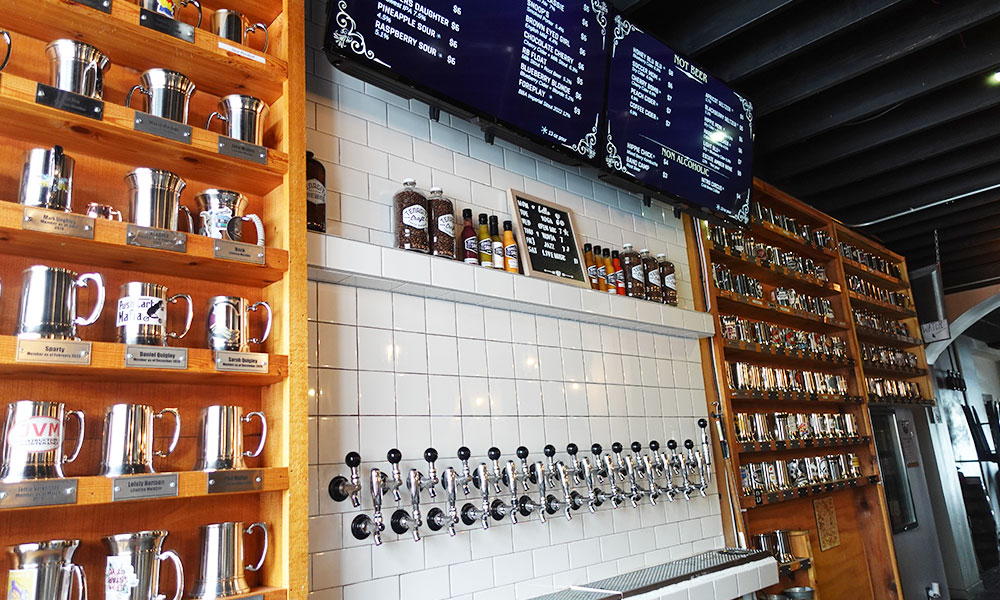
986, 329
866, 109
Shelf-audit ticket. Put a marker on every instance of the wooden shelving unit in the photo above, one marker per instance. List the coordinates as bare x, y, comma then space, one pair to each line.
859, 503
105, 150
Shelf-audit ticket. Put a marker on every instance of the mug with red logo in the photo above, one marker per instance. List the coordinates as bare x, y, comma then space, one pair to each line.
33, 436
170, 8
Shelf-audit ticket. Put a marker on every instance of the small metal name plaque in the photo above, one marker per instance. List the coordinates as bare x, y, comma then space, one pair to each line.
49, 492
53, 352
59, 223
102, 5
165, 24
159, 239
242, 52
139, 487
164, 128
240, 252
47, 95
156, 357
234, 148
228, 482
242, 362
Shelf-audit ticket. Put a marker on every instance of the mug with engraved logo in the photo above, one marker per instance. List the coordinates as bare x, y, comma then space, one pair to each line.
47, 179
171, 8
48, 303
222, 217
229, 323
142, 314
133, 566
33, 436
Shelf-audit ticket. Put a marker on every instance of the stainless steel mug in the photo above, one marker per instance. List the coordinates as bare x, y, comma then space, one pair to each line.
168, 94
783, 546
47, 179
222, 566
96, 210
33, 436
127, 445
133, 567
171, 8
222, 215
155, 199
10, 48
77, 67
142, 314
244, 117
766, 542
45, 571
48, 303
229, 323
220, 446
235, 27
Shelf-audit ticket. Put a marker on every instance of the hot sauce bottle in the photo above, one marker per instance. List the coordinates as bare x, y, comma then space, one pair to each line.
470, 243
496, 243
588, 258
609, 267
619, 273
485, 242
510, 262
602, 270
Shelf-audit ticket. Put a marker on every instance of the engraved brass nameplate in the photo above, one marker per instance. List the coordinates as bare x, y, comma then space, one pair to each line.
159, 239
53, 352
139, 487
59, 223
49, 492
227, 482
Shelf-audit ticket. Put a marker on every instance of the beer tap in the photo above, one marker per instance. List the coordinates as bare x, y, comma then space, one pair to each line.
594, 494
494, 455
616, 496
341, 489
571, 500
431, 456
525, 505
394, 456
695, 466
706, 455
575, 470
522, 455
635, 491
675, 467
402, 521
436, 518
619, 468
463, 480
600, 470
639, 467
363, 526
414, 484
654, 466
658, 462
510, 480
481, 478
550, 466
687, 464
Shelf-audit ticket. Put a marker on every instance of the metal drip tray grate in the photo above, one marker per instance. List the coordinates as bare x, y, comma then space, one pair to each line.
659, 576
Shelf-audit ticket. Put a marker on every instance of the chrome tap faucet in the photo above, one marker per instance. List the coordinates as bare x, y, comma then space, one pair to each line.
482, 480
431, 456
510, 480
414, 484
436, 518
341, 488
394, 456
588, 478
538, 477
705, 468
688, 463
575, 469
466, 477
522, 455
363, 526
600, 470
616, 449
615, 495
494, 455
402, 521
569, 503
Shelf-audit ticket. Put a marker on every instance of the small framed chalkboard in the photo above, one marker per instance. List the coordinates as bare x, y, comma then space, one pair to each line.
547, 240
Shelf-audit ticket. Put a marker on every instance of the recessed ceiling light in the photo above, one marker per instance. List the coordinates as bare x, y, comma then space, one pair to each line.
995, 77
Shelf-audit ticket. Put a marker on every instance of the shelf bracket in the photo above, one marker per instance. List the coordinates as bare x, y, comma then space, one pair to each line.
647, 201
489, 137
435, 113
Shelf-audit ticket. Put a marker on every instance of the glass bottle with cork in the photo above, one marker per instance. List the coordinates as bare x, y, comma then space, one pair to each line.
654, 292
668, 279
635, 274
410, 212
315, 194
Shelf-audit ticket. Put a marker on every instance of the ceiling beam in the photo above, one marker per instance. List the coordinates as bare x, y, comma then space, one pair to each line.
834, 66
971, 277
812, 26
709, 22
985, 210
974, 246
975, 232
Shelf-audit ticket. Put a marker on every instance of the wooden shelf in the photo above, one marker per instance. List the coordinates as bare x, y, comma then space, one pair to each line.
118, 35
866, 334
729, 302
108, 364
775, 446
109, 248
191, 484
787, 239
799, 564
852, 238
776, 275
753, 396
876, 277
883, 308
781, 356
874, 370
114, 138
749, 502
901, 400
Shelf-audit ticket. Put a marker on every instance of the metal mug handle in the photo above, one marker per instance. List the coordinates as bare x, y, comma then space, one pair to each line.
99, 305
178, 568
270, 318
259, 225
177, 431
94, 68
196, 5
263, 433
259, 26
141, 90
263, 554
190, 316
115, 214
10, 47
190, 220
79, 440
81, 581
216, 114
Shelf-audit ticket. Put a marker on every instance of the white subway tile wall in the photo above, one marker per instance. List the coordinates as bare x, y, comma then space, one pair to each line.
391, 370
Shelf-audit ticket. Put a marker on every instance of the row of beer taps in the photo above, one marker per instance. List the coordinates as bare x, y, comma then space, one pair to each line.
522, 488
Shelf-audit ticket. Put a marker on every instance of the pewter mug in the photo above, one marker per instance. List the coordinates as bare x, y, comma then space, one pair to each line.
222, 566
10, 47
33, 436
229, 323
155, 199
170, 8
244, 117
220, 446
168, 94
222, 215
45, 571
48, 303
133, 567
96, 210
47, 179
235, 27
126, 448
783, 546
142, 314
77, 67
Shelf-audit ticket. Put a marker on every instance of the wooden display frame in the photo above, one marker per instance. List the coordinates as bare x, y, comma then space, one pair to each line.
105, 149
522, 247
864, 565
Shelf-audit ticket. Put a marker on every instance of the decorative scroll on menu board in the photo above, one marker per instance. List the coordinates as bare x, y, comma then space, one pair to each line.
674, 128
546, 239
536, 66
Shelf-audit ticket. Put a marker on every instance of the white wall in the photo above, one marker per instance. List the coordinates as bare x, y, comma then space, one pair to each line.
394, 370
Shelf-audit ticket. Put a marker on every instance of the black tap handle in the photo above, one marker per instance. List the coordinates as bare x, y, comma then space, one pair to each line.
616, 448
493, 453
572, 449
522, 452
353, 460
703, 423
672, 445
636, 447
596, 449
394, 456
464, 453
430, 455
549, 450
654, 445
688, 444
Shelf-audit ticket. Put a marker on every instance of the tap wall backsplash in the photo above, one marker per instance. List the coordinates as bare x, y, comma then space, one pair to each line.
396, 371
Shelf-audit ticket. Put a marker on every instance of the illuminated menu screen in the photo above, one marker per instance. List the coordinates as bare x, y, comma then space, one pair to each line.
674, 128
535, 65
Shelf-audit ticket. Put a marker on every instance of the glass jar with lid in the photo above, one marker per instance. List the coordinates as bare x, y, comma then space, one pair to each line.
410, 216
441, 224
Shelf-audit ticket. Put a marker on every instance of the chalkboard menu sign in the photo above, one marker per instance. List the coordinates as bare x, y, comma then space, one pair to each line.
546, 238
